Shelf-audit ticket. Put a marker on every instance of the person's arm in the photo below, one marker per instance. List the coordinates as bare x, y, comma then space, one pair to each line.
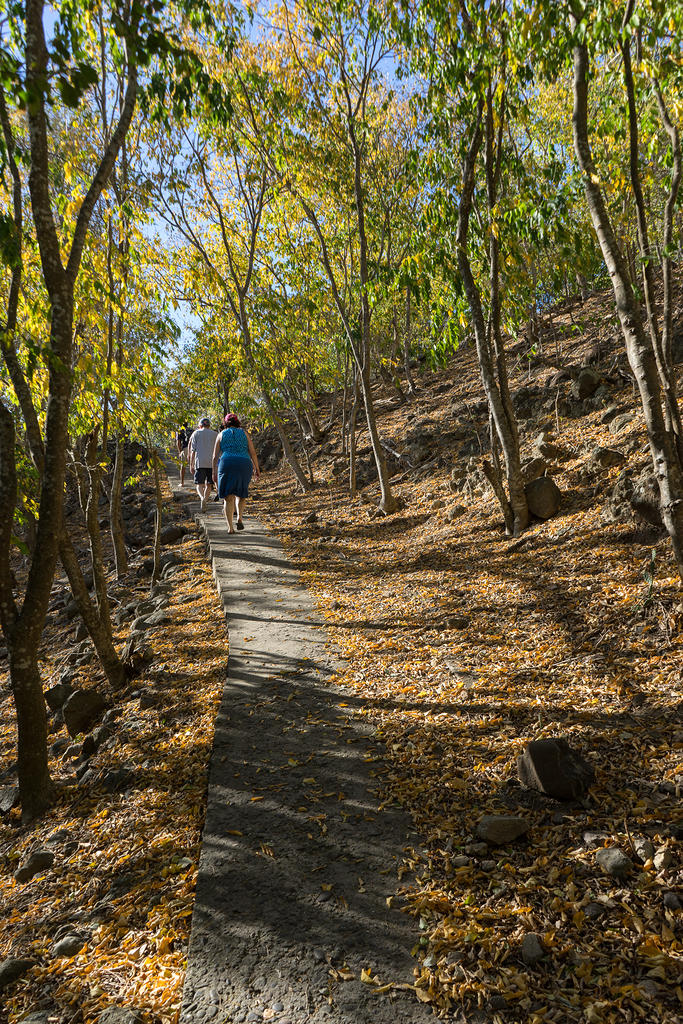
192, 453
177, 443
216, 457
254, 456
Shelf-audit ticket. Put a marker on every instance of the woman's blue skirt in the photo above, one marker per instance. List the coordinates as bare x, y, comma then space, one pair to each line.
234, 474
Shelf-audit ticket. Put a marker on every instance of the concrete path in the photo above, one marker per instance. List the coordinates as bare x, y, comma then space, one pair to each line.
296, 864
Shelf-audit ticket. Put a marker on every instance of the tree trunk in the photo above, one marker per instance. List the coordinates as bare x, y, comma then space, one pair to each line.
407, 341
157, 519
115, 513
99, 630
641, 357
500, 407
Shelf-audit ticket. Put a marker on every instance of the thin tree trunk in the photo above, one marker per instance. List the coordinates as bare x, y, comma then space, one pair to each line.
663, 446
407, 342
159, 499
115, 513
101, 636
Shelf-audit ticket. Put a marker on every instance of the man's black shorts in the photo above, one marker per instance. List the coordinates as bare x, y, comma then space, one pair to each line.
203, 476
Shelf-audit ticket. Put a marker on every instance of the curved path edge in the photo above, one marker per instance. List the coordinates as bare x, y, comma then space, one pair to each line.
295, 919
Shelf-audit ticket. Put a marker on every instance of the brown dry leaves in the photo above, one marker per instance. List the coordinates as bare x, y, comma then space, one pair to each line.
125, 864
463, 650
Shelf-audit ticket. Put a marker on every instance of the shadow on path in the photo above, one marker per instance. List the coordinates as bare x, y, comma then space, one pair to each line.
297, 863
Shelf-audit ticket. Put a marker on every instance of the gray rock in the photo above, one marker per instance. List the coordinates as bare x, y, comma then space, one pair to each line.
609, 414
70, 945
172, 533
120, 1015
116, 779
9, 798
488, 865
533, 468
477, 849
607, 457
59, 746
621, 421
158, 618
672, 901
38, 861
81, 709
644, 848
460, 861
586, 384
532, 950
58, 695
663, 859
455, 512
73, 750
553, 768
501, 828
543, 497
614, 862
13, 969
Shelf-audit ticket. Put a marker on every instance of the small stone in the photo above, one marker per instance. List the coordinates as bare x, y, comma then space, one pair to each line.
672, 901
607, 457
58, 695
277, 1007
37, 862
663, 859
498, 1002
430, 961
613, 861
619, 422
13, 969
501, 828
81, 709
554, 768
460, 862
477, 849
644, 849
69, 946
172, 533
586, 384
591, 838
593, 911
9, 798
120, 1015
312, 517
532, 950
488, 865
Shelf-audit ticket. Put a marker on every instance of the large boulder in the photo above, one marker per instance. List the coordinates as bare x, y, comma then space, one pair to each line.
81, 709
543, 497
553, 768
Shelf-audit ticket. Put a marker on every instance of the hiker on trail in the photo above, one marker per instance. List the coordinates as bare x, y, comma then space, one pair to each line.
182, 439
238, 460
201, 457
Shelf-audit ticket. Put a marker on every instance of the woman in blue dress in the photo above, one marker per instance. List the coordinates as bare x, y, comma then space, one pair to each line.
234, 461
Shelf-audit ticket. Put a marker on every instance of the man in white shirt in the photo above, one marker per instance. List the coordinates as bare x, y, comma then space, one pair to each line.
201, 446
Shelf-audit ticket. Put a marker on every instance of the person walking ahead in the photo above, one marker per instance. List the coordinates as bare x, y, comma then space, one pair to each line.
182, 439
201, 458
238, 460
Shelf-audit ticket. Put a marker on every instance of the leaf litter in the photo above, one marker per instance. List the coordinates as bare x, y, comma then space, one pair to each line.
125, 865
463, 647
